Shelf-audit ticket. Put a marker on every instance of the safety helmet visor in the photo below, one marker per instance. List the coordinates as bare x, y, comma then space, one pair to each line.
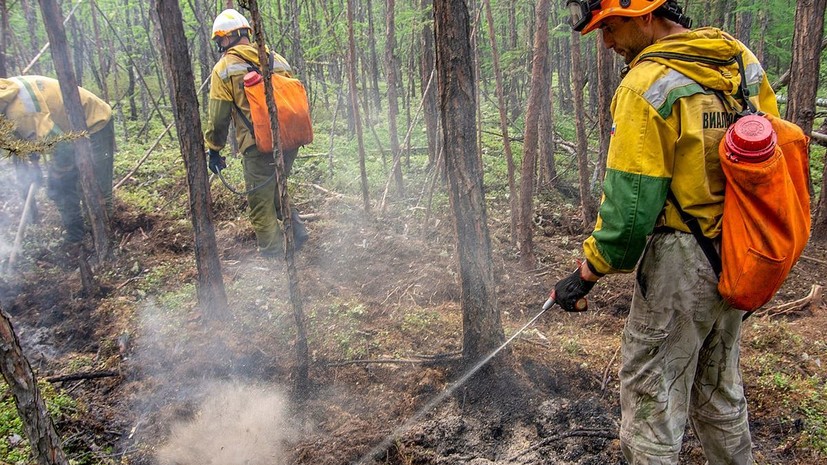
580, 12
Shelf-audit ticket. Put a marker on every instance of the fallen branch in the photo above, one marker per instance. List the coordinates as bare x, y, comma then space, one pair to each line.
568, 434
812, 300
814, 260
82, 375
606, 371
420, 360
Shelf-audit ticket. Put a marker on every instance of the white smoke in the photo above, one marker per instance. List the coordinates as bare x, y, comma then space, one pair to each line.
236, 425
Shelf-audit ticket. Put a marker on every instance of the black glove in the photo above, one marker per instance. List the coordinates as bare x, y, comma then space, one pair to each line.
570, 289
216, 162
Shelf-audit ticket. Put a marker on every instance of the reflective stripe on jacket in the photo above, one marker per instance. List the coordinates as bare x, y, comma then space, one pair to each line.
668, 122
35, 104
227, 92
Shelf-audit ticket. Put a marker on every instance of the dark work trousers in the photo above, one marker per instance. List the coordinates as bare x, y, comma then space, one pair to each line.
63, 185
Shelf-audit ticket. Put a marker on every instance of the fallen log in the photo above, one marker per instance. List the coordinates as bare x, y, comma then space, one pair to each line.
82, 375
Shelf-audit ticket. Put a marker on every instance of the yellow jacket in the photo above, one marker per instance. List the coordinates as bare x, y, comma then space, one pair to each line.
35, 105
668, 122
227, 94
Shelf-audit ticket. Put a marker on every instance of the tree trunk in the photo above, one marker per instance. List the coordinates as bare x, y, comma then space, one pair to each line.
582, 141
535, 102
4, 30
354, 104
809, 20
391, 68
130, 89
804, 71
513, 199
764, 21
743, 25
77, 49
212, 297
482, 330
302, 381
429, 106
564, 81
607, 81
31, 18
37, 423
103, 67
92, 196
373, 61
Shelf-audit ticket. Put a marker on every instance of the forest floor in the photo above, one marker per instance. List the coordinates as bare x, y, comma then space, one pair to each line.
381, 300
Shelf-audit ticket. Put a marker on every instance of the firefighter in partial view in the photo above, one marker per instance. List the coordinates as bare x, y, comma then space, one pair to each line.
680, 343
232, 34
35, 105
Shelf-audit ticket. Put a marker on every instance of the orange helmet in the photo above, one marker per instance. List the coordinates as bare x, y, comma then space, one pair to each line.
586, 15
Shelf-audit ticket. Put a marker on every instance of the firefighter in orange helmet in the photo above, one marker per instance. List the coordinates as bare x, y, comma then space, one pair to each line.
680, 343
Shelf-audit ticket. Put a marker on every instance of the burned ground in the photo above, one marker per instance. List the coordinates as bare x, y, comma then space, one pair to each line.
381, 300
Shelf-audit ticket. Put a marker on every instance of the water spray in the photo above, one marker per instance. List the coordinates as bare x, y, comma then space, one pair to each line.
383, 446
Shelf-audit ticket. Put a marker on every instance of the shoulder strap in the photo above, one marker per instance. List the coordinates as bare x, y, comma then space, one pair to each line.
706, 243
743, 89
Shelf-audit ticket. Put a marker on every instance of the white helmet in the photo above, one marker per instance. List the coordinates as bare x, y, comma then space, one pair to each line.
227, 22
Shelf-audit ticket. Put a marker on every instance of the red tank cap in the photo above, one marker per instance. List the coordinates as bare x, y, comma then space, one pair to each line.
252, 78
751, 139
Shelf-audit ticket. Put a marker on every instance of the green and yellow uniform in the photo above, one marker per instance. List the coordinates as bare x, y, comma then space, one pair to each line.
228, 102
35, 105
680, 343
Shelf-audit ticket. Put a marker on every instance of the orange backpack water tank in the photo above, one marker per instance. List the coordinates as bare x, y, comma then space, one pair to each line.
766, 220
295, 127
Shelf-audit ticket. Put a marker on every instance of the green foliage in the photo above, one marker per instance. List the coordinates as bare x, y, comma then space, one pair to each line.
14, 447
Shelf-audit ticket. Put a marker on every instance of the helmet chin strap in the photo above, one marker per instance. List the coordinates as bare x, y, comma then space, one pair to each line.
235, 36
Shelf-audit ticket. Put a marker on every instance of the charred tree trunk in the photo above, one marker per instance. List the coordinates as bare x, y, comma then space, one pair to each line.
212, 297
535, 103
391, 67
513, 199
354, 104
92, 195
37, 423
580, 126
482, 330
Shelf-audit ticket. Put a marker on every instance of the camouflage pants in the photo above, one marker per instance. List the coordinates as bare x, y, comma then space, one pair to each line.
264, 215
63, 184
680, 359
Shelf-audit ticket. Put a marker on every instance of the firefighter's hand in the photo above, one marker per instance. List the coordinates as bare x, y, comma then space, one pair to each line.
571, 290
216, 162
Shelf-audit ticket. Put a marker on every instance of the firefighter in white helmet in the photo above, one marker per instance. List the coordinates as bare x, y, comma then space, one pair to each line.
232, 33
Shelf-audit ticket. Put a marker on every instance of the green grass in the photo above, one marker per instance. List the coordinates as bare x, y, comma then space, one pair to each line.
14, 447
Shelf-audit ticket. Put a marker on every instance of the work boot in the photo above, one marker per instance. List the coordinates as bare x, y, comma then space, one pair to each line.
300, 233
